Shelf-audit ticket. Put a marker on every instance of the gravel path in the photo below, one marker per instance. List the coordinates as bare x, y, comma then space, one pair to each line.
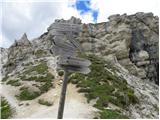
76, 105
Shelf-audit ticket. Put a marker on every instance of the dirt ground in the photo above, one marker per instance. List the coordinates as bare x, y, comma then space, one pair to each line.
76, 105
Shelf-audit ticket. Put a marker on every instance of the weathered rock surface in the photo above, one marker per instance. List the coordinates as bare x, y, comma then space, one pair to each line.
132, 39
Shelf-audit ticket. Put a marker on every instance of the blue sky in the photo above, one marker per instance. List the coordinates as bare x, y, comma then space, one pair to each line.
84, 6
34, 16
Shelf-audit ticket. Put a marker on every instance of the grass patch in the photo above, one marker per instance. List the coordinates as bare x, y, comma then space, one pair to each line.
6, 111
40, 53
46, 83
14, 83
47, 78
111, 114
45, 87
5, 78
40, 68
26, 94
104, 85
42, 102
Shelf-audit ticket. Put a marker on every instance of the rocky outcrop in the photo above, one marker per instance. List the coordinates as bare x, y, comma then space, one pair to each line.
18, 52
132, 39
144, 45
4, 59
20, 47
23, 41
145, 91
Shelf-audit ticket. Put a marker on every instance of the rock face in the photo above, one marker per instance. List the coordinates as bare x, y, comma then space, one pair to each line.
19, 51
132, 39
127, 42
4, 59
144, 45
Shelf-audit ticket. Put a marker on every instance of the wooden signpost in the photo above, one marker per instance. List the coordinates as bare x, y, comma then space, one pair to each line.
66, 53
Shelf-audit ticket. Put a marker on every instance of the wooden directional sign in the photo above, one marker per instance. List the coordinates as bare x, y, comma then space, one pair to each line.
78, 69
65, 27
64, 45
66, 55
63, 51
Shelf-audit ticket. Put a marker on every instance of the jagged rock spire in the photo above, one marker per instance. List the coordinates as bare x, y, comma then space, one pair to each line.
24, 37
23, 41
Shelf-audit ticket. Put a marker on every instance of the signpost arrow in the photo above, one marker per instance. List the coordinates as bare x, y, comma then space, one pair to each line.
72, 61
65, 27
83, 70
63, 51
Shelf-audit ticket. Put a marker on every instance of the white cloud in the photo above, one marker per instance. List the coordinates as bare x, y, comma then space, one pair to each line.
109, 7
87, 17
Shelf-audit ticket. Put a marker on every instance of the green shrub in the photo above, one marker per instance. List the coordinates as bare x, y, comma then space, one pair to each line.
45, 87
61, 73
42, 102
13, 83
6, 111
40, 53
47, 78
84, 90
32, 78
5, 78
132, 97
112, 114
25, 94
40, 68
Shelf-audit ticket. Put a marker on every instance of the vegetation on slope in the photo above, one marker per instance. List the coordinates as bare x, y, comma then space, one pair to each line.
6, 111
60, 73
40, 53
38, 73
43, 102
13, 83
40, 68
5, 78
106, 87
26, 94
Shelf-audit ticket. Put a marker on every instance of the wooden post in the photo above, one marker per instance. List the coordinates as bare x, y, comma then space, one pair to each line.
63, 95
